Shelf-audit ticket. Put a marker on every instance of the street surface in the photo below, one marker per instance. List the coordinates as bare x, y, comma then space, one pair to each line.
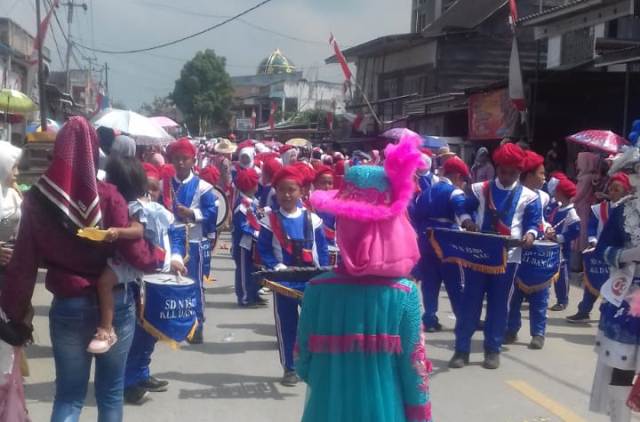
233, 377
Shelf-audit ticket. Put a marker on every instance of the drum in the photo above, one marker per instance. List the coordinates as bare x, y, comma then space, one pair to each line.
169, 307
596, 272
223, 206
540, 267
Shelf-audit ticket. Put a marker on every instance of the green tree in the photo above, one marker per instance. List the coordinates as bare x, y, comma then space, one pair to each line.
160, 106
203, 92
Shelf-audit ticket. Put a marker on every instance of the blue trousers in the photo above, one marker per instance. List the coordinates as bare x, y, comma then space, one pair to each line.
72, 323
434, 272
286, 313
139, 359
538, 302
587, 303
246, 287
497, 289
198, 268
562, 285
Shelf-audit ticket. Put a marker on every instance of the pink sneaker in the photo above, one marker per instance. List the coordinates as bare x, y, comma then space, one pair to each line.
102, 341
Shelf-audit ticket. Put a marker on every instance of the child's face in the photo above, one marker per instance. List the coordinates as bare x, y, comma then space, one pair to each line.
288, 194
324, 182
616, 191
183, 164
154, 189
252, 192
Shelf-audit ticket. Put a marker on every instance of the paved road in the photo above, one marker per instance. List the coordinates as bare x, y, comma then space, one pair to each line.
234, 375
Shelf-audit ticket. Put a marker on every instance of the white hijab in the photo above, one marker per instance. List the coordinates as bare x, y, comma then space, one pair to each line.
249, 152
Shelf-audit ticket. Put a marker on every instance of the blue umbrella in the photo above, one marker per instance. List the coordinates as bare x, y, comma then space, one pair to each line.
433, 142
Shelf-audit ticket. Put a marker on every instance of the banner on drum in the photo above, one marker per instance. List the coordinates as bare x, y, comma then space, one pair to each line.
596, 272
539, 268
170, 312
484, 253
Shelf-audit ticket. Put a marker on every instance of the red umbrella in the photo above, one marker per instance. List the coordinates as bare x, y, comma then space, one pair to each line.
599, 140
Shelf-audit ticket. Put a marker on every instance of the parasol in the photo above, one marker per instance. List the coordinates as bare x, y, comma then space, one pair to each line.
164, 122
599, 140
395, 133
12, 101
300, 142
141, 128
52, 126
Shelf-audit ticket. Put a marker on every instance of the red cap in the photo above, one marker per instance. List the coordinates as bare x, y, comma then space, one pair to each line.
152, 171
509, 155
210, 174
623, 179
182, 146
285, 148
338, 168
558, 175
426, 151
456, 165
532, 161
271, 166
322, 169
245, 144
247, 179
308, 174
167, 171
288, 173
566, 187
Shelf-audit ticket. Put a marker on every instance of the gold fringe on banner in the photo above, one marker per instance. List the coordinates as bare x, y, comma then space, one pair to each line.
149, 328
481, 268
526, 289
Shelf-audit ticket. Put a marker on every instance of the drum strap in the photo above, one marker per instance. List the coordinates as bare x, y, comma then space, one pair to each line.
497, 217
287, 244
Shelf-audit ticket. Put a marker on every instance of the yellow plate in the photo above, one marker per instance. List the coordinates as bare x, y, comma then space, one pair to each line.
93, 233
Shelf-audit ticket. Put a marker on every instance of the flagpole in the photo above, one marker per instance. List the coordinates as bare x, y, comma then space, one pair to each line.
41, 90
366, 100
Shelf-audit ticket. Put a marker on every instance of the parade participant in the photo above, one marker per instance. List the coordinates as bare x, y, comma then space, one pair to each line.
361, 350
619, 187
588, 166
194, 204
536, 293
338, 173
290, 236
564, 220
246, 228
266, 192
222, 160
482, 169
617, 341
425, 180
503, 206
324, 182
442, 206
48, 238
289, 154
444, 153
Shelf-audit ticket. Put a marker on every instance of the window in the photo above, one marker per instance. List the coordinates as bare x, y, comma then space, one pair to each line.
414, 84
389, 87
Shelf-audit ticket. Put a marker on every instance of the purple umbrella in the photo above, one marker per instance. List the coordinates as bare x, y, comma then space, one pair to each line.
599, 140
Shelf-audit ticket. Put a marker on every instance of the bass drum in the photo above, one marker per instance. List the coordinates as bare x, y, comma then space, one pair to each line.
223, 206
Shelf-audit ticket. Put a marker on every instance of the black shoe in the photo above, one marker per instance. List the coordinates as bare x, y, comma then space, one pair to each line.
290, 379
136, 395
491, 360
537, 343
558, 307
435, 328
197, 336
459, 360
578, 318
260, 303
154, 385
510, 338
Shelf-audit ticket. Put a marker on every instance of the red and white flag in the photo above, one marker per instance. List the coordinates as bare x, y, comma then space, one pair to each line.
254, 118
516, 85
272, 115
513, 15
42, 33
341, 59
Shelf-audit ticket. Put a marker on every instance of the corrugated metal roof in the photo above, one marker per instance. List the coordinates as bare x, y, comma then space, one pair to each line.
570, 4
464, 14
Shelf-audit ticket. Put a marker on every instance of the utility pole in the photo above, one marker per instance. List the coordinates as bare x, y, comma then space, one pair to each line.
41, 91
106, 79
70, 6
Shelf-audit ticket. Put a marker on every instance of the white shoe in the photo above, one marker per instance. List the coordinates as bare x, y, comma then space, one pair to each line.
102, 341
618, 409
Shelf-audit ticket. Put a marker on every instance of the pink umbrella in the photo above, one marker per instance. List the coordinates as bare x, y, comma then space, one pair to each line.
164, 122
599, 140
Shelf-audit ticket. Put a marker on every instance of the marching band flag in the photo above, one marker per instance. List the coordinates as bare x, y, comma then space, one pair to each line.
481, 252
341, 59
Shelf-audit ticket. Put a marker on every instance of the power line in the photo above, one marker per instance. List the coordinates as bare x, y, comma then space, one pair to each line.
167, 44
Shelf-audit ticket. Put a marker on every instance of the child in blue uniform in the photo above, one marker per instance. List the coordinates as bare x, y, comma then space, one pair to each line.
195, 207
246, 228
290, 236
443, 205
565, 222
324, 181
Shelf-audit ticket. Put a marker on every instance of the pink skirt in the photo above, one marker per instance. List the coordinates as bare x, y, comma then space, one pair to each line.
12, 405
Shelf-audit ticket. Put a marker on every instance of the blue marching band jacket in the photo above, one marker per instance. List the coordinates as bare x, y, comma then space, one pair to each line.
197, 195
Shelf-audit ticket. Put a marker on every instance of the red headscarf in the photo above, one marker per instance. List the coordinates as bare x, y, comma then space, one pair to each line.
70, 181
167, 172
509, 155
210, 174
567, 187
152, 171
532, 161
322, 169
247, 179
270, 167
623, 179
456, 165
308, 174
288, 173
182, 146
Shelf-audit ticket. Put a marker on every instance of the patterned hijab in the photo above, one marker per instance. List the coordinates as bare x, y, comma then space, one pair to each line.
70, 181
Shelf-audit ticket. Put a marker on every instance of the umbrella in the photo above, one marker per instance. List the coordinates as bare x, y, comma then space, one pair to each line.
434, 142
300, 142
164, 122
141, 128
12, 101
395, 133
599, 140
52, 126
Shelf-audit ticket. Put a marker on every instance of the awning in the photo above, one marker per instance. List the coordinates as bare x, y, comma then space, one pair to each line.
381, 45
463, 15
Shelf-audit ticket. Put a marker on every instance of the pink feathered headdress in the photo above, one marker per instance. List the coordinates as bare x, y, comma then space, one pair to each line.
373, 193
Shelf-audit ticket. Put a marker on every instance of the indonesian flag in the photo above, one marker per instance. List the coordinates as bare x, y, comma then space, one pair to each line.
343, 62
254, 117
272, 115
516, 86
357, 123
42, 33
513, 15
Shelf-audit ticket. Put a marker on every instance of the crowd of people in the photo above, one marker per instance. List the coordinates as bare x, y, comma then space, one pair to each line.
355, 271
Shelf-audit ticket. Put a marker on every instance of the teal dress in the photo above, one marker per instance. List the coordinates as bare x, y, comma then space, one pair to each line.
361, 352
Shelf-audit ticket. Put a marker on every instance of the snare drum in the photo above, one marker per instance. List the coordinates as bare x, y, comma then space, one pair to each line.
169, 307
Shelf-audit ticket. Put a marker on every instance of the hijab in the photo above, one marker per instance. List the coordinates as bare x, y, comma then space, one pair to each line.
9, 156
124, 146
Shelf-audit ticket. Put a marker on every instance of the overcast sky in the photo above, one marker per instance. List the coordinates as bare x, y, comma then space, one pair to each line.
129, 24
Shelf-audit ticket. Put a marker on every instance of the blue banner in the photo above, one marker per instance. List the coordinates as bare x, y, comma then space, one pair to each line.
170, 310
596, 272
539, 268
485, 253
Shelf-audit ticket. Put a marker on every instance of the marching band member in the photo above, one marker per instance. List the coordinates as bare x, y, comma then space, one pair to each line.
505, 207
246, 228
619, 187
194, 204
565, 223
290, 236
266, 192
532, 177
324, 181
444, 206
